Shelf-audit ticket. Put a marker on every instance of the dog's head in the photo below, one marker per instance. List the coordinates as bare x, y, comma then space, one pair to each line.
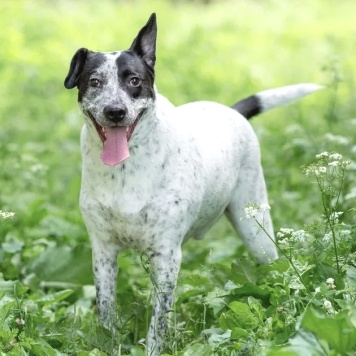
115, 89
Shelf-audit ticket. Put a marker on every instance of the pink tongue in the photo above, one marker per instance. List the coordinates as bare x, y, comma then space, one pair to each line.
116, 148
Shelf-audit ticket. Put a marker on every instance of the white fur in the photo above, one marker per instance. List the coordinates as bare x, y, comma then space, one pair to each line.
273, 98
188, 166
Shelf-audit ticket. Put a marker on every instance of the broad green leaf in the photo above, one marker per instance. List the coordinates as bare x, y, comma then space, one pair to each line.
243, 271
17, 350
249, 289
6, 305
6, 286
337, 330
351, 277
19, 289
218, 338
137, 351
303, 344
239, 315
64, 264
43, 349
55, 297
215, 300
239, 333
12, 246
256, 307
198, 349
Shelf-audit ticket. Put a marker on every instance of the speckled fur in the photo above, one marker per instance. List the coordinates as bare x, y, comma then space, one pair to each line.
188, 165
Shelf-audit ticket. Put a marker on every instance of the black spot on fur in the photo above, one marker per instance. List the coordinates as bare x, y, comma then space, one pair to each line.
130, 65
249, 107
94, 60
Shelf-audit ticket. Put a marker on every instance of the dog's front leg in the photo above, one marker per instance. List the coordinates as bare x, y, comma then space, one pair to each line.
105, 275
165, 265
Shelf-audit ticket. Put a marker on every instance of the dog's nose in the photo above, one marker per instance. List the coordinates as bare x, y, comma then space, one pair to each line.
114, 113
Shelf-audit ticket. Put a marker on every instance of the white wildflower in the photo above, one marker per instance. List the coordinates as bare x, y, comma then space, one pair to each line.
327, 237
317, 290
6, 215
345, 233
334, 217
299, 235
335, 156
328, 305
334, 164
330, 283
348, 163
250, 212
319, 170
20, 321
341, 140
322, 155
322, 170
315, 169
282, 241
284, 232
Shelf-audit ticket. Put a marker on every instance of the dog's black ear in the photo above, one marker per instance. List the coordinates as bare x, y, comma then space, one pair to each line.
145, 42
76, 68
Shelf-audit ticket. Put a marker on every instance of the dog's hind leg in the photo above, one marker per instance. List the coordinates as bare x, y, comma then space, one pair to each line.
251, 189
164, 268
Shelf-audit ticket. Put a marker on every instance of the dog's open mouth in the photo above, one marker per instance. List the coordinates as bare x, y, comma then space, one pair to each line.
115, 141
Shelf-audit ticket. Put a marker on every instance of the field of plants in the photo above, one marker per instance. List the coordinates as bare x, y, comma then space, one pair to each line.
302, 304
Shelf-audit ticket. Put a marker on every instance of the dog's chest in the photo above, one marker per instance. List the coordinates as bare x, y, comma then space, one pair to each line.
134, 203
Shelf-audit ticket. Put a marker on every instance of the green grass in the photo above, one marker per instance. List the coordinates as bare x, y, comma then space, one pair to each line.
225, 304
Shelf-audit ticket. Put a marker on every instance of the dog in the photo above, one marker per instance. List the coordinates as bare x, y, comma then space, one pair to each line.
155, 174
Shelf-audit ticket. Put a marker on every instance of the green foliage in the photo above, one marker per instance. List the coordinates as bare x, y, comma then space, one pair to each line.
301, 304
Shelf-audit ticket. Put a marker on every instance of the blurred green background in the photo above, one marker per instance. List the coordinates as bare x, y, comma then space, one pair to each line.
222, 51
213, 50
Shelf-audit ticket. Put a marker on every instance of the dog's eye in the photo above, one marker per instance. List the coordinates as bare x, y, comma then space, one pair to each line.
135, 82
95, 82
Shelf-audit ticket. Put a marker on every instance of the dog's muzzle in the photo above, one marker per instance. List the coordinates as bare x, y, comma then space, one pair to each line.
115, 138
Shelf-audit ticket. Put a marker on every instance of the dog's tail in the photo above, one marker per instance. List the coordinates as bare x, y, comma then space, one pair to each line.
272, 98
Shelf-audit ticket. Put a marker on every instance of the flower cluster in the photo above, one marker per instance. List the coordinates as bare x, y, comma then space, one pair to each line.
341, 140
327, 237
334, 217
285, 234
325, 160
330, 283
327, 305
315, 169
6, 215
252, 210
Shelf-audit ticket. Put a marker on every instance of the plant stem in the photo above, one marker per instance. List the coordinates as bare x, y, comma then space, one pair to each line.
328, 211
285, 255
